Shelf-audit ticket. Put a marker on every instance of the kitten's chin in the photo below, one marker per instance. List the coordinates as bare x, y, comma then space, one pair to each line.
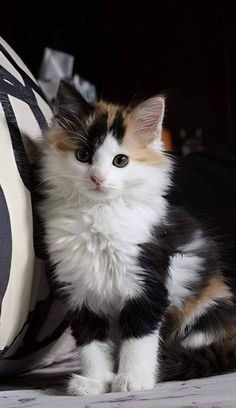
100, 195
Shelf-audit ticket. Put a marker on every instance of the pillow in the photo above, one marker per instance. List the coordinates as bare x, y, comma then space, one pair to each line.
31, 320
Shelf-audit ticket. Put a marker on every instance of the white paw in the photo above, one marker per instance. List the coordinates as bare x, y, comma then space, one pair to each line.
79, 385
129, 382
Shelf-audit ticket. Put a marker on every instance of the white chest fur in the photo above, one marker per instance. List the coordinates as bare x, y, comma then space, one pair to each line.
96, 248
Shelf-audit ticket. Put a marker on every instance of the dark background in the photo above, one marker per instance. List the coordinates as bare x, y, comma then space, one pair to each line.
140, 48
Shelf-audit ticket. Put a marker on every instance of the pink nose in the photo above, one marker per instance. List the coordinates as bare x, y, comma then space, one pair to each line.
96, 180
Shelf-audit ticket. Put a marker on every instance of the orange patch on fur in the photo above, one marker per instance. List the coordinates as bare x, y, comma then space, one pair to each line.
111, 110
216, 289
149, 156
105, 107
195, 307
61, 141
139, 150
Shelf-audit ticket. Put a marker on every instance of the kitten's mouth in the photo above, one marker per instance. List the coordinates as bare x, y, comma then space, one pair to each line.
101, 192
99, 189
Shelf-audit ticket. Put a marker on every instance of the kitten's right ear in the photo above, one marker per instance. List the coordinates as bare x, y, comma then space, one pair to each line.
70, 104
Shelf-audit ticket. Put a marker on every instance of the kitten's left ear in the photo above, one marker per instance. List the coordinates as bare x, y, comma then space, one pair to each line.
147, 118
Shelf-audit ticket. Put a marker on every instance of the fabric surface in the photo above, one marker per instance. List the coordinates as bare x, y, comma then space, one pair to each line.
32, 322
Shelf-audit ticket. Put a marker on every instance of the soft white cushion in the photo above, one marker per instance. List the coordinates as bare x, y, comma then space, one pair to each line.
31, 320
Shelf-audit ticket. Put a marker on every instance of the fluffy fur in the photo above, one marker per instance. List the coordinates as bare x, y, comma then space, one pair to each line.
122, 257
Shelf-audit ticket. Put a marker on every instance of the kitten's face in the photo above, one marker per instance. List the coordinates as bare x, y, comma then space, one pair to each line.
105, 151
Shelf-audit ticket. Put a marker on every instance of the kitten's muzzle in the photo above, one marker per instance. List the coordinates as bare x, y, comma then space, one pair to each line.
98, 181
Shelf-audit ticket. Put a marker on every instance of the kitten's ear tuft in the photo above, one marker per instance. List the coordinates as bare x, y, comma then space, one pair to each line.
148, 117
33, 147
70, 104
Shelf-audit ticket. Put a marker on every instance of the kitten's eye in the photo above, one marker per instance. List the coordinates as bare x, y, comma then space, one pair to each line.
82, 155
121, 160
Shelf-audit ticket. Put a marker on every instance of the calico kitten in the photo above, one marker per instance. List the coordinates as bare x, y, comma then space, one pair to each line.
122, 255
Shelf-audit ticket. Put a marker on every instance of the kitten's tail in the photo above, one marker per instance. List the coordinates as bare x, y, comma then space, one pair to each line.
179, 363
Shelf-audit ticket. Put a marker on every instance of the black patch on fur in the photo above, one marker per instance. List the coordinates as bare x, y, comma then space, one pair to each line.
97, 132
142, 315
118, 127
154, 256
174, 233
170, 239
87, 326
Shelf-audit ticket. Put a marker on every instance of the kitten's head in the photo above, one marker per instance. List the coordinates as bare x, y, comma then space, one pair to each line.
105, 150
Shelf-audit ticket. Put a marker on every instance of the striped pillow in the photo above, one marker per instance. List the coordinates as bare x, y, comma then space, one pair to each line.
31, 320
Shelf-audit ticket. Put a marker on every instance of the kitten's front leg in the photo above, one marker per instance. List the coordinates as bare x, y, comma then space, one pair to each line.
137, 364
139, 326
91, 333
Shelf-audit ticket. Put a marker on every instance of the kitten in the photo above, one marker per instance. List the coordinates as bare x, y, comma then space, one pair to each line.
122, 255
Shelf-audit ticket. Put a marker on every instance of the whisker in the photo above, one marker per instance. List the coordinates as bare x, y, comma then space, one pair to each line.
77, 136
82, 124
56, 177
64, 121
